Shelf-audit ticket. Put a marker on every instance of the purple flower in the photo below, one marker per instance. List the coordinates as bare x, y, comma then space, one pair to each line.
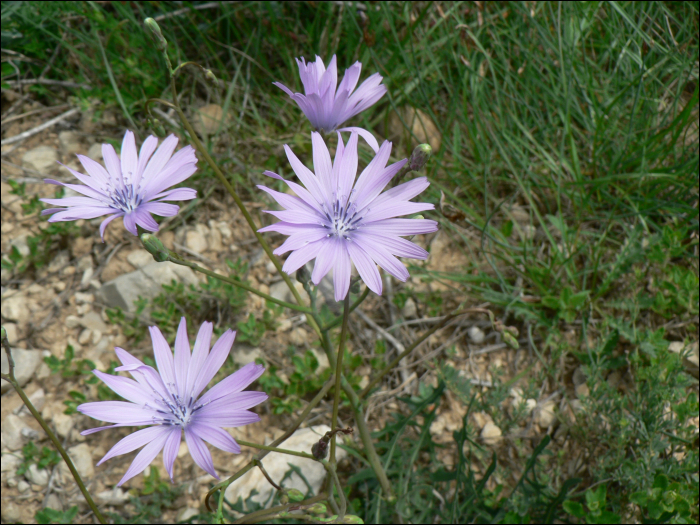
132, 187
328, 109
337, 219
168, 399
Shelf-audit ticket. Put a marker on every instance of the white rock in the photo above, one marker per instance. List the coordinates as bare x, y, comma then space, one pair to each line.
10, 463
115, 497
22, 486
298, 336
63, 423
196, 239
38, 399
409, 310
21, 244
243, 354
146, 282
82, 460
186, 514
93, 321
322, 359
26, 362
10, 512
69, 141
544, 414
14, 307
43, 159
37, 476
277, 465
139, 258
12, 332
476, 334
491, 434
54, 502
95, 152
85, 336
72, 321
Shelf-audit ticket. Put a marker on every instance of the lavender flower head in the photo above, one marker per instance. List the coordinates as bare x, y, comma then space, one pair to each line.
339, 220
327, 108
132, 187
168, 399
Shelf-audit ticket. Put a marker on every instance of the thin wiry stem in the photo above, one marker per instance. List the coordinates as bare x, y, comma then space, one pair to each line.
10, 378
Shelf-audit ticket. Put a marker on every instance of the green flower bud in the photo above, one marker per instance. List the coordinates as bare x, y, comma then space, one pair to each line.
158, 39
351, 518
510, 340
159, 252
318, 508
4, 333
295, 495
157, 127
419, 157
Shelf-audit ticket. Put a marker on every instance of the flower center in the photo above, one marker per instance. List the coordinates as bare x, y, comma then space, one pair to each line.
343, 218
175, 411
123, 195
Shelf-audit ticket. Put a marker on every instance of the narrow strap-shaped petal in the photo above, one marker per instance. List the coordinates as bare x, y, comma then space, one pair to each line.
231, 404
105, 222
159, 159
382, 257
164, 357
290, 202
352, 75
95, 170
365, 267
234, 383
395, 209
133, 441
306, 176
341, 273
182, 358
117, 412
147, 148
400, 247
283, 88
113, 165
177, 194
348, 168
199, 452
130, 224
401, 226
74, 201
243, 417
301, 238
296, 216
129, 158
199, 355
373, 169
82, 212
323, 166
144, 219
377, 183
325, 259
215, 359
171, 448
126, 388
300, 257
144, 458
369, 138
217, 437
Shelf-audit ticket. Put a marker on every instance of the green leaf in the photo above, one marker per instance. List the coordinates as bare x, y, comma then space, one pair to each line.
574, 508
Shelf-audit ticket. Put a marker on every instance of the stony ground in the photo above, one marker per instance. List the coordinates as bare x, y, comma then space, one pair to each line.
63, 303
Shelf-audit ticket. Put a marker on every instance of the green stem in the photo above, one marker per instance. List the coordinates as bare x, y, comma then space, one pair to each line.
302, 417
275, 449
239, 284
10, 378
339, 373
354, 305
265, 514
249, 219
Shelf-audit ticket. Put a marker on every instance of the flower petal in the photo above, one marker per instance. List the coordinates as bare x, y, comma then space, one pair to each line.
133, 441
144, 458
171, 448
217, 437
199, 451
182, 358
233, 383
365, 267
215, 359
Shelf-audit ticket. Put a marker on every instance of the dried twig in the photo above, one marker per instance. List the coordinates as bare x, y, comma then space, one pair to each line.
40, 128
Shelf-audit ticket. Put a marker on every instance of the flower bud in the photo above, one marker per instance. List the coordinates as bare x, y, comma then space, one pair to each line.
157, 127
510, 340
155, 247
420, 157
295, 495
351, 518
158, 39
318, 508
210, 77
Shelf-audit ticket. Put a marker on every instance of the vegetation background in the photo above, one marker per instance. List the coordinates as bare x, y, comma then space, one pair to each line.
565, 178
